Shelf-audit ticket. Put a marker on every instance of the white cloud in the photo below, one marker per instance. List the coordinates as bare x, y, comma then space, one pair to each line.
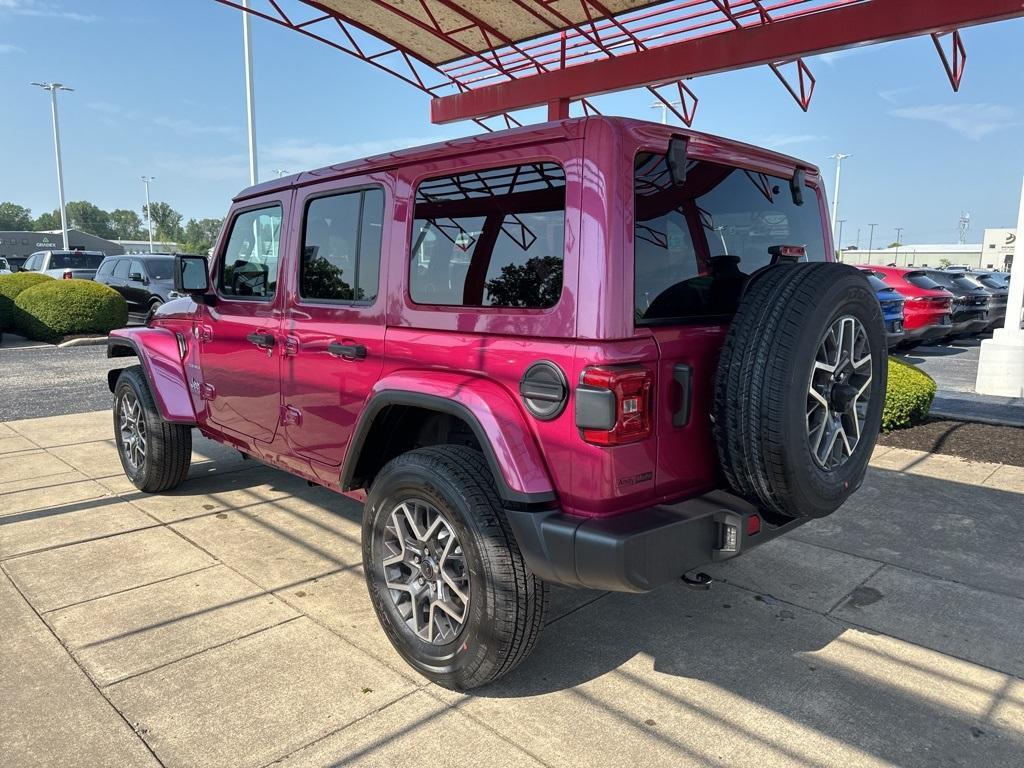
975, 121
778, 140
41, 8
892, 94
298, 155
8, 48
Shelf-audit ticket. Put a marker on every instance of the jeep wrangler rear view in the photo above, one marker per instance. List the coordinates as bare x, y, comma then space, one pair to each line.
598, 352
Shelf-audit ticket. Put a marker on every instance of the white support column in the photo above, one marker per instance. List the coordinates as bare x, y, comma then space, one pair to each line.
1001, 361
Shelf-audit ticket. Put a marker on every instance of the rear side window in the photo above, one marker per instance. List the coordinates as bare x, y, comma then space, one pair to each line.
76, 260
341, 247
490, 238
694, 246
249, 266
121, 270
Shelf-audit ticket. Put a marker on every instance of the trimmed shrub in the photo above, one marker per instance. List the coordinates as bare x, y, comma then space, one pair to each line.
65, 307
908, 397
10, 287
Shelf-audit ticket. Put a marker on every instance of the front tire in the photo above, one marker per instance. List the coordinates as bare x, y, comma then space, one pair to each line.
155, 454
444, 572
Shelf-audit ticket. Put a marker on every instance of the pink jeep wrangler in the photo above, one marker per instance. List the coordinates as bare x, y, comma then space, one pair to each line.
597, 352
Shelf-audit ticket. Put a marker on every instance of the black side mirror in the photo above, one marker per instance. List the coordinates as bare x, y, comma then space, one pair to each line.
136, 277
676, 157
796, 186
191, 275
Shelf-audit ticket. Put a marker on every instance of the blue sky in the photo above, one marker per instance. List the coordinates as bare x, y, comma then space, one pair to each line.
159, 91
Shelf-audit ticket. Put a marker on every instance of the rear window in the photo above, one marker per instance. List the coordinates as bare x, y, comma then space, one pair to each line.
490, 238
694, 246
992, 281
921, 280
76, 260
877, 284
965, 283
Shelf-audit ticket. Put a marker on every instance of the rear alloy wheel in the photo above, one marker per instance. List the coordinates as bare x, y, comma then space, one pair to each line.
155, 454
444, 572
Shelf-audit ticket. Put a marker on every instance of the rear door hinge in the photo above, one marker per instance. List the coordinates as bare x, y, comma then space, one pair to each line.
290, 415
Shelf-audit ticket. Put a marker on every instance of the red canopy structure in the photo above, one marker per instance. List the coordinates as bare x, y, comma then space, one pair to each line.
483, 59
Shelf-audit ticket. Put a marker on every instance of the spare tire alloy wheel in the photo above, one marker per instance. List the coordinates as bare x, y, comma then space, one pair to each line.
839, 392
425, 571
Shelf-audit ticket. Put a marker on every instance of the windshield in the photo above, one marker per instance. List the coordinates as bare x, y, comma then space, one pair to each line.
75, 260
694, 246
921, 280
160, 269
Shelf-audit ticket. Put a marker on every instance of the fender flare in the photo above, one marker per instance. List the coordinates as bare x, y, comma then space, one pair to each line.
157, 351
520, 472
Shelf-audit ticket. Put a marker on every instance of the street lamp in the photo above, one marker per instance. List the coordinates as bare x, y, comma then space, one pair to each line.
871, 240
53, 88
664, 109
899, 234
250, 99
838, 157
149, 210
839, 242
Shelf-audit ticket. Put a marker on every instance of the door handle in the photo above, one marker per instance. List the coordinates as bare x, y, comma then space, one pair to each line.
347, 351
261, 340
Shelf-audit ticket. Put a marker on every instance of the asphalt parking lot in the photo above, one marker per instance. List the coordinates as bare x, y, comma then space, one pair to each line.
227, 623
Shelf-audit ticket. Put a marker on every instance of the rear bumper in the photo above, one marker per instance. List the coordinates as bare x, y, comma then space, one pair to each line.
638, 551
927, 332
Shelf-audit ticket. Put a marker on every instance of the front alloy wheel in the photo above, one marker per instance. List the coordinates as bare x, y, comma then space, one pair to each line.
132, 430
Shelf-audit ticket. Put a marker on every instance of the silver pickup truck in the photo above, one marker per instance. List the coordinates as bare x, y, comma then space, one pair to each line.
80, 265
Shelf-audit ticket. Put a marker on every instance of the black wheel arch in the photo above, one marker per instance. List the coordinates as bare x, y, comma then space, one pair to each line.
368, 452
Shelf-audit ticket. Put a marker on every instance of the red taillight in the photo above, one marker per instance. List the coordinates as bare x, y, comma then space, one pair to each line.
631, 417
753, 525
67, 274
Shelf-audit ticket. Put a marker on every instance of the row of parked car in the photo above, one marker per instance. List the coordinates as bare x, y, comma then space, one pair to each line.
929, 305
144, 279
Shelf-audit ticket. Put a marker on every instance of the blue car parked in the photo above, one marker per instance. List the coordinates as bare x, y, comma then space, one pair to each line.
892, 308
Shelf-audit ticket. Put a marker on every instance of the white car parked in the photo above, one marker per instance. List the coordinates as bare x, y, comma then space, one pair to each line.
81, 265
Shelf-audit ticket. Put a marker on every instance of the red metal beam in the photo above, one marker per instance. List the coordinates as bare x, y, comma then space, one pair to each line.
873, 21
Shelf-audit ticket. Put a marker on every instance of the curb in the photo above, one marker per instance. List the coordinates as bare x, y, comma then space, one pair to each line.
85, 341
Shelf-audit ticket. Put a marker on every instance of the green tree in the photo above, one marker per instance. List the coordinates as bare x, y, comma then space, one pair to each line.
127, 224
87, 217
15, 217
47, 221
897, 244
199, 235
538, 283
166, 222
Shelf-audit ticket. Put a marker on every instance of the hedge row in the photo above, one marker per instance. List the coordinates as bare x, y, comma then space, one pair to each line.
41, 308
908, 397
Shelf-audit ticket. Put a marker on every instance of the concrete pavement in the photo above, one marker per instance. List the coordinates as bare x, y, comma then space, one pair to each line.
226, 623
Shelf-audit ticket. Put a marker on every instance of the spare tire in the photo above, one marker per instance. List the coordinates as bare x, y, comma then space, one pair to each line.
799, 388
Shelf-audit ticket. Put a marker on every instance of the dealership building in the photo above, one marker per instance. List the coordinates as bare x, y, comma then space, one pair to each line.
17, 246
996, 252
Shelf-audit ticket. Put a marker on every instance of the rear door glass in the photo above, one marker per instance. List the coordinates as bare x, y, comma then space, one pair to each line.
694, 246
490, 238
121, 270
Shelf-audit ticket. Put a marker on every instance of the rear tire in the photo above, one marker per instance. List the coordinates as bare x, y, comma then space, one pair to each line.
449, 489
154, 453
774, 397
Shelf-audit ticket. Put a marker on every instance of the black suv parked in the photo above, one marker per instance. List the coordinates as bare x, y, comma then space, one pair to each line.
971, 302
144, 279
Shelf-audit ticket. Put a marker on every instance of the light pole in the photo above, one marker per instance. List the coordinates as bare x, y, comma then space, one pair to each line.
250, 101
53, 88
664, 109
899, 233
149, 210
838, 157
871, 240
839, 242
